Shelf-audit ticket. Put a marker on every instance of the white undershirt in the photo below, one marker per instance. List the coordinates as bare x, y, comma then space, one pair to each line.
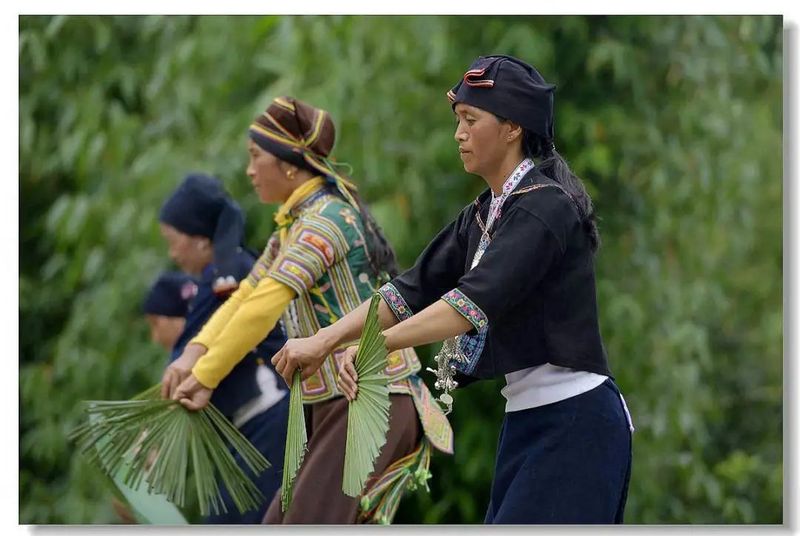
270, 395
543, 384
546, 384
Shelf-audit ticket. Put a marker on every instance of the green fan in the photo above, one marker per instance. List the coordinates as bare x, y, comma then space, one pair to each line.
147, 508
159, 442
295, 442
368, 414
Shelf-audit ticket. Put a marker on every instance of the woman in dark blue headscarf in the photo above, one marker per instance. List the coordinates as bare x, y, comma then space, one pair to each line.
205, 232
510, 286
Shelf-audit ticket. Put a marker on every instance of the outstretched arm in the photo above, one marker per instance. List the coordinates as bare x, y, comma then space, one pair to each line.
250, 323
436, 322
309, 353
181, 368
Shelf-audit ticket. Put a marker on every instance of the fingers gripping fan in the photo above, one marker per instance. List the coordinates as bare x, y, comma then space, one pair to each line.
368, 414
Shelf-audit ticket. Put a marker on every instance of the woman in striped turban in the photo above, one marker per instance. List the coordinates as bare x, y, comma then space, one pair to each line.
325, 258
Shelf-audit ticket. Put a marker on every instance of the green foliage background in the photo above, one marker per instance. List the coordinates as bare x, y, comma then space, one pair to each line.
675, 124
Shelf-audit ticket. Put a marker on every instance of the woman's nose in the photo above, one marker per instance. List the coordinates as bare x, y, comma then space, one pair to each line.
460, 135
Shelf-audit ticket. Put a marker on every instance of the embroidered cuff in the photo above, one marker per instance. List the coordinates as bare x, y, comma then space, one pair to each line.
467, 308
395, 301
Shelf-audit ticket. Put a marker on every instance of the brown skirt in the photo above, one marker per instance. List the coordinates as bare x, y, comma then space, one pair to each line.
318, 496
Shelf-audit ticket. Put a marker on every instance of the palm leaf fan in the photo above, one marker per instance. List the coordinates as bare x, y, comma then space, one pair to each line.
160, 443
368, 414
295, 441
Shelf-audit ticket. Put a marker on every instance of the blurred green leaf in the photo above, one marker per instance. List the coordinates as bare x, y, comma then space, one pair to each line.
674, 123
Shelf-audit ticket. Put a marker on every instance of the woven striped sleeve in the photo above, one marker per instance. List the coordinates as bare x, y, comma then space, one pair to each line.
260, 268
314, 244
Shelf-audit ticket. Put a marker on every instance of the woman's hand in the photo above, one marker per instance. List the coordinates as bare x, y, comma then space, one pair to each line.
307, 355
180, 369
192, 394
347, 374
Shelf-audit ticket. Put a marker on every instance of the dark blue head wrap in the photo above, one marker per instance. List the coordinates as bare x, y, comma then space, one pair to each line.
201, 207
170, 295
509, 88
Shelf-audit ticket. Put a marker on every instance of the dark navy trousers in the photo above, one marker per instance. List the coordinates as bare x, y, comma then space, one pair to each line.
267, 432
568, 462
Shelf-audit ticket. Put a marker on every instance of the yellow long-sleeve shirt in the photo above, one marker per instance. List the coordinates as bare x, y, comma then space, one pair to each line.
238, 326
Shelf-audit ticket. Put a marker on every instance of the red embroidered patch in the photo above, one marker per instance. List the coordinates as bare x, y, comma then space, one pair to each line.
320, 244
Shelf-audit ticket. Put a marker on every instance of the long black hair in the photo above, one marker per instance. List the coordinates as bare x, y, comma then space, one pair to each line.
553, 166
382, 258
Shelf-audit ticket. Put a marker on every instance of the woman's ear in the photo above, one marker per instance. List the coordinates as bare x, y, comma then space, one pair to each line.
289, 170
514, 131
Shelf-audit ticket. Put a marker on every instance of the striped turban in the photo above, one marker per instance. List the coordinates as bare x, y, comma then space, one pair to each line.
300, 134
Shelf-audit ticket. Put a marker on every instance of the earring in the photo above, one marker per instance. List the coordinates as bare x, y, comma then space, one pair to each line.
290, 174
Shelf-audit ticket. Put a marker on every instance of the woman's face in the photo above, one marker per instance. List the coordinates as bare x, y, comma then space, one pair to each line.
482, 139
190, 253
267, 175
165, 330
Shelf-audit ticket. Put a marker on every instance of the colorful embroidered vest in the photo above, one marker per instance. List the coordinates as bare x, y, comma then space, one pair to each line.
324, 259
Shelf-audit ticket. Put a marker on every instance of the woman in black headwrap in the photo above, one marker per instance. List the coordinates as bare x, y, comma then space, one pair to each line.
204, 229
510, 286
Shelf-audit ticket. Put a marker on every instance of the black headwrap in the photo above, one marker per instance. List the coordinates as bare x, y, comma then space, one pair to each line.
510, 88
200, 207
170, 295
